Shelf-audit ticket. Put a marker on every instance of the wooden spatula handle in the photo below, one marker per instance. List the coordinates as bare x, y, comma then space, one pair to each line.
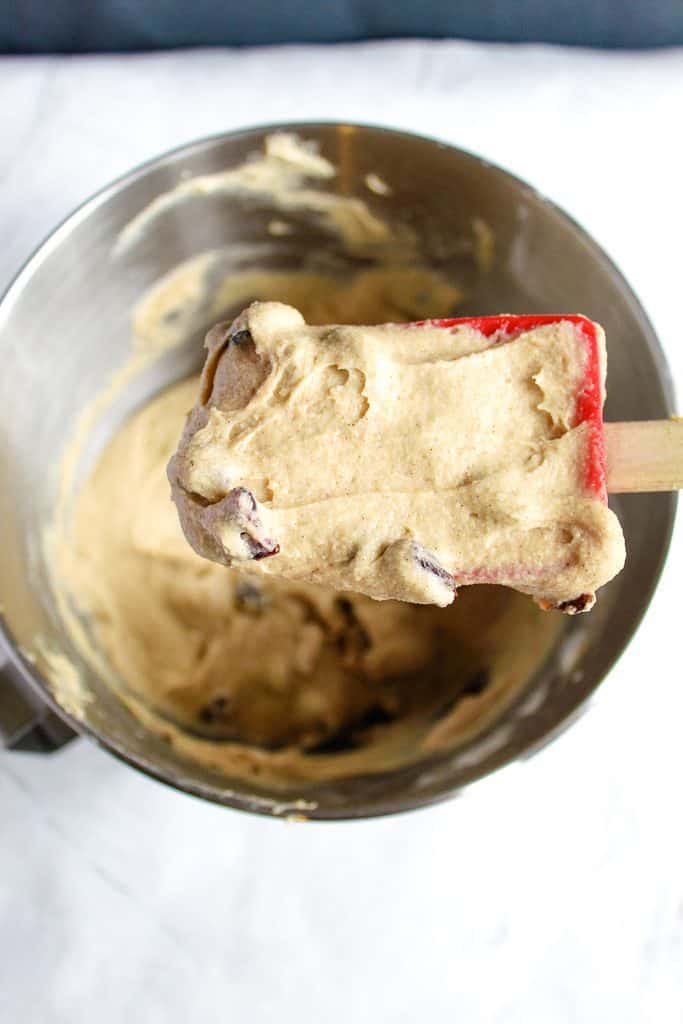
644, 456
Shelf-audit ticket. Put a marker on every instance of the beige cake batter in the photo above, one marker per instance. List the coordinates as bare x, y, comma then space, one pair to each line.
231, 655
256, 677
268, 662
397, 461
284, 666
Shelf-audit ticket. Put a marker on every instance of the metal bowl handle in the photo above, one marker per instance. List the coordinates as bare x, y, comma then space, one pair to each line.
26, 722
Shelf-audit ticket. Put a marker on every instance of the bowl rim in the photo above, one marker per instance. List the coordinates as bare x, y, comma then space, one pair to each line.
33, 679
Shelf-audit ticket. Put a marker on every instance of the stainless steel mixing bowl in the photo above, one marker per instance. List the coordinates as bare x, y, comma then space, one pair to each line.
64, 328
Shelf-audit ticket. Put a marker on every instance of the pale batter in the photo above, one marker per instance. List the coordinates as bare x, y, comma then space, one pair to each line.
254, 677
269, 662
265, 661
398, 461
284, 667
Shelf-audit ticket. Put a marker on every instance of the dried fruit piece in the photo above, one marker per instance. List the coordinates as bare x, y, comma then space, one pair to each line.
236, 523
582, 603
241, 337
408, 568
250, 597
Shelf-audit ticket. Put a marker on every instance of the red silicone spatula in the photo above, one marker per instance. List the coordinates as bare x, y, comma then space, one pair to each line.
637, 456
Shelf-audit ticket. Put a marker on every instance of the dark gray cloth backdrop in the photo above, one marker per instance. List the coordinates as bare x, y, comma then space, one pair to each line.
76, 26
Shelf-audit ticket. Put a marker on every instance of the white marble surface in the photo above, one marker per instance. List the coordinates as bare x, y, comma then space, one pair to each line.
554, 892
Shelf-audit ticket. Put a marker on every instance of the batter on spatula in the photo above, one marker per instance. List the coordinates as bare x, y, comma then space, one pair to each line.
403, 460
